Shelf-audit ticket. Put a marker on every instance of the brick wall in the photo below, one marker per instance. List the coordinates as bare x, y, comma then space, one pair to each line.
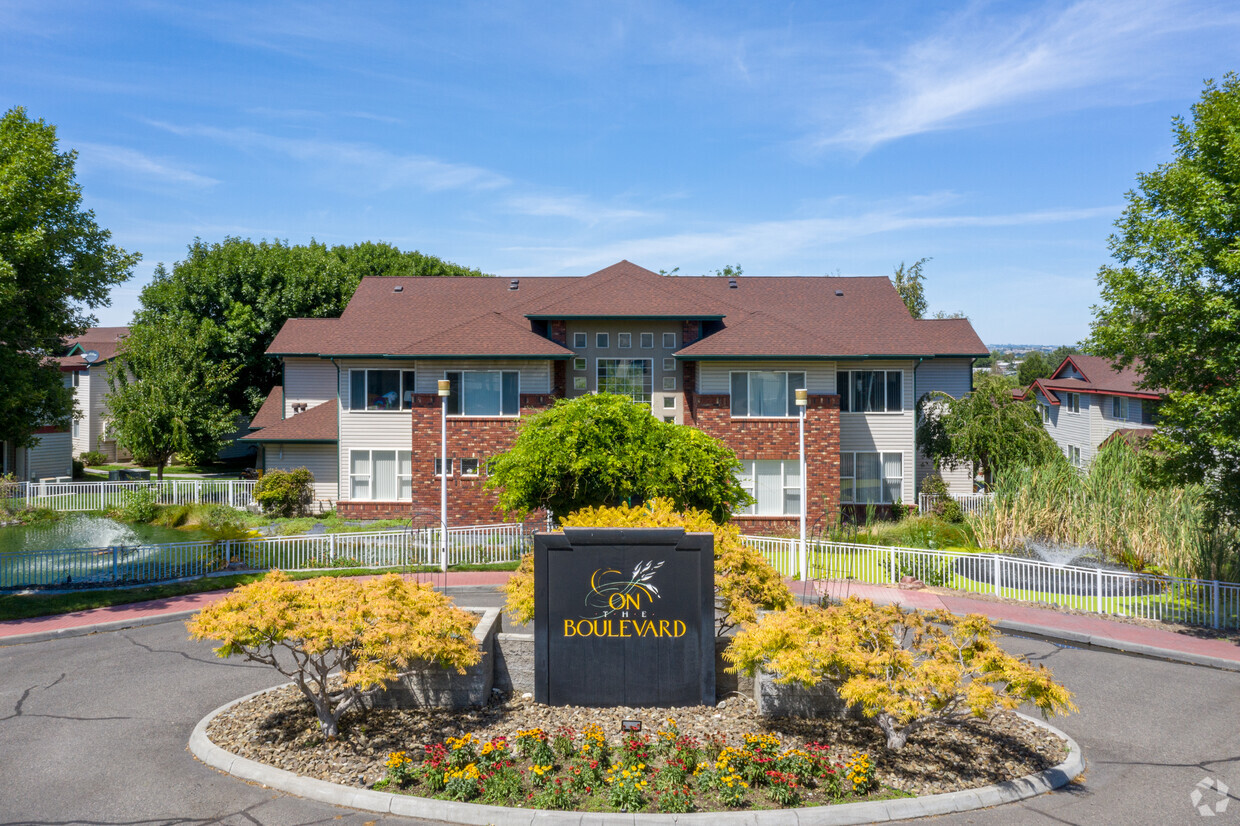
777, 439
468, 503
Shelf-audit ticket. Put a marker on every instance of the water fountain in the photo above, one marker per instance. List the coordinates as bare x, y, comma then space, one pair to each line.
1069, 570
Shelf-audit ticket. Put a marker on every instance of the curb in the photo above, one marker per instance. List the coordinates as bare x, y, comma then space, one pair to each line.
1132, 649
477, 814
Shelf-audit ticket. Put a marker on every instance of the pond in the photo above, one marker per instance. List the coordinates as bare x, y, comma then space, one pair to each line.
82, 530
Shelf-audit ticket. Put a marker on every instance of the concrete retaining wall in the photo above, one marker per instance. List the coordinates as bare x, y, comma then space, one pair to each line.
444, 688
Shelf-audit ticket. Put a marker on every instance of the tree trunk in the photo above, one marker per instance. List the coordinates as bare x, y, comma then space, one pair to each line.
896, 737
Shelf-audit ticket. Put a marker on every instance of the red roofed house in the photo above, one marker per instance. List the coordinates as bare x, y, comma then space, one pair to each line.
359, 407
87, 360
1086, 401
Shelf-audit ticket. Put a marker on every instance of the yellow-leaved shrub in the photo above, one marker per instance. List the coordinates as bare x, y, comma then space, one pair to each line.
744, 581
369, 631
906, 668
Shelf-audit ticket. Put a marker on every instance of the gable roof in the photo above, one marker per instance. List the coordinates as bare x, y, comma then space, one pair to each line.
1097, 375
272, 410
318, 424
103, 340
759, 317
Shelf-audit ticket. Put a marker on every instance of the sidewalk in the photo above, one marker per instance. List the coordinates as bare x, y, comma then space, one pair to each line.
1075, 629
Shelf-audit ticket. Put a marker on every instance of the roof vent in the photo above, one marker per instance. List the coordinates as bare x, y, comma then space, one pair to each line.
514, 283
839, 292
731, 283
399, 288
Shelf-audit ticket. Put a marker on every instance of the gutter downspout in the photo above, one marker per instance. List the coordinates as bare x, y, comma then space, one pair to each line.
338, 409
917, 367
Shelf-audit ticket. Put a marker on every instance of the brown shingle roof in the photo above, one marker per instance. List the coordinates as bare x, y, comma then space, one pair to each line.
318, 424
448, 316
272, 410
1100, 376
103, 340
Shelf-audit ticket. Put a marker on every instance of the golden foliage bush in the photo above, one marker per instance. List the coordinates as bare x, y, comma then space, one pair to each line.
369, 631
905, 668
744, 581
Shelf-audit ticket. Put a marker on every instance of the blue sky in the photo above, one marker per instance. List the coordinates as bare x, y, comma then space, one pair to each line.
554, 139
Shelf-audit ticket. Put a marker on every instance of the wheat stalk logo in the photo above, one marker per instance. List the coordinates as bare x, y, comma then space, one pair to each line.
609, 593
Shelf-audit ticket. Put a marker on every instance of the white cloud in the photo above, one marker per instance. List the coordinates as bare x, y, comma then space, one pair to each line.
137, 163
572, 206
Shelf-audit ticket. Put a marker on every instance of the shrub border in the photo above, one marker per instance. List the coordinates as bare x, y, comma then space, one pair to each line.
476, 814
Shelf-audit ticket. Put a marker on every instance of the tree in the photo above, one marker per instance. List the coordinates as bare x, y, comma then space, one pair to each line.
1172, 305
367, 631
249, 290
603, 449
906, 669
909, 284
1059, 354
1033, 366
55, 263
166, 396
988, 429
285, 492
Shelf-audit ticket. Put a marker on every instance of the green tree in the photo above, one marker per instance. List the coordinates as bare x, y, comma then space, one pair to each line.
1172, 305
1059, 354
987, 430
55, 263
1033, 366
250, 289
910, 284
604, 450
166, 397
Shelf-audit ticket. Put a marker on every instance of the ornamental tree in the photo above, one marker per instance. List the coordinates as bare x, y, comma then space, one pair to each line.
367, 631
604, 450
285, 492
906, 669
744, 581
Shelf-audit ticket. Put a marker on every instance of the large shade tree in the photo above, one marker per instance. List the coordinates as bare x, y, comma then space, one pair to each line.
604, 450
1171, 304
56, 263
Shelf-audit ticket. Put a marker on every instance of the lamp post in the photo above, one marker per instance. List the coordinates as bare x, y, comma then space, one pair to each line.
444, 391
802, 402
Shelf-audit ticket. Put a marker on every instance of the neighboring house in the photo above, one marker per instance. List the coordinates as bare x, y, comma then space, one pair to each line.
359, 407
51, 459
1086, 401
88, 359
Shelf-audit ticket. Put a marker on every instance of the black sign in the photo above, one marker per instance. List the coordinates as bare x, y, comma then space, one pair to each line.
624, 617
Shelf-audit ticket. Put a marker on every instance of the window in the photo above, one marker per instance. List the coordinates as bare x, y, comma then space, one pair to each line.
871, 478
380, 389
579, 383
647, 341
381, 475
626, 377
1073, 402
77, 378
624, 340
580, 341
776, 485
439, 466
1119, 408
669, 363
762, 393
469, 467
669, 402
579, 364
669, 382
407, 388
669, 341
484, 393
602, 341
1074, 455
1046, 412
670, 419
77, 428
66, 380
870, 391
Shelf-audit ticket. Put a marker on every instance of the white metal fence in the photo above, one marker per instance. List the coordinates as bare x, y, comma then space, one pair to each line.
127, 565
969, 503
98, 496
1168, 599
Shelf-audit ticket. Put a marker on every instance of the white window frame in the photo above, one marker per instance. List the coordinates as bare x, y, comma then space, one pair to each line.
437, 462
850, 498
792, 412
1073, 402
669, 382
886, 411
581, 383
749, 481
669, 402
646, 337
1074, 455
624, 341
669, 363
598, 382
1119, 408
581, 341
602, 341
466, 473
404, 388
369, 475
77, 428
461, 401
579, 364
666, 338
1045, 410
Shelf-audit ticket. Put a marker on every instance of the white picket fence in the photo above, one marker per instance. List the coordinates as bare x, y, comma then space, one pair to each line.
1207, 603
127, 565
98, 496
969, 503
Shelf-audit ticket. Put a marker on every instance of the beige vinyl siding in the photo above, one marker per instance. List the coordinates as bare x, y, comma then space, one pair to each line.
308, 380
371, 430
535, 375
715, 377
884, 432
97, 393
953, 377
318, 459
81, 399
52, 457
1072, 429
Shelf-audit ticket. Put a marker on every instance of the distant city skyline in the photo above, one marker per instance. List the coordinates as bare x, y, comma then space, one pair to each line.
524, 139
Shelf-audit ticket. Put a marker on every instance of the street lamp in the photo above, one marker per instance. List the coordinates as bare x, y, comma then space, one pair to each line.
802, 402
444, 390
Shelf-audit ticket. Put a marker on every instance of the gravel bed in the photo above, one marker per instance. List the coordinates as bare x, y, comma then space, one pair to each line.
279, 728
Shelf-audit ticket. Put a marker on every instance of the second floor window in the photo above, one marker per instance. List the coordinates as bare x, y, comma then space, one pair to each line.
387, 390
1074, 402
1119, 407
484, 392
765, 393
627, 377
870, 391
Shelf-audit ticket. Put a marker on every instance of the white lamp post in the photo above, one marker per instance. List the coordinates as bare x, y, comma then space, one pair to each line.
444, 391
802, 401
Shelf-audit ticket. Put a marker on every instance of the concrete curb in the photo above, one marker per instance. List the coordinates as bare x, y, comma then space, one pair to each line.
1133, 649
476, 814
